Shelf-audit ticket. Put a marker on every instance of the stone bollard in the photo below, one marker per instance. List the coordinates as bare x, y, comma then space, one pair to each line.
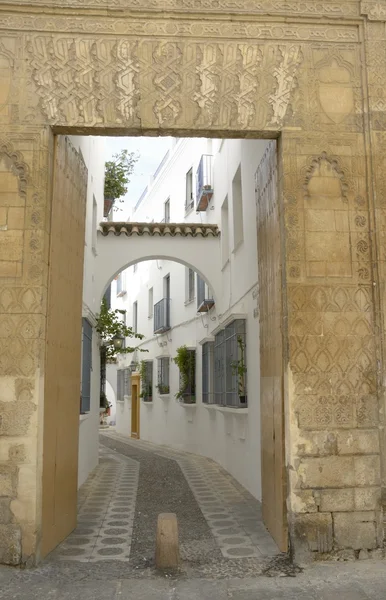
167, 553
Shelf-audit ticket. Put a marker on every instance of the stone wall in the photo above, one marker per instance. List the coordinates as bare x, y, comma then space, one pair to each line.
320, 84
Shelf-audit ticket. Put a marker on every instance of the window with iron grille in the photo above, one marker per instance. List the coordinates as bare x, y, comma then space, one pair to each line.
123, 384
147, 381
230, 368
86, 365
163, 385
186, 360
207, 372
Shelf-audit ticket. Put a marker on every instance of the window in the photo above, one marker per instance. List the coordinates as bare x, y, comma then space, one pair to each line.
147, 381
189, 201
187, 383
150, 303
167, 286
230, 367
189, 284
167, 211
237, 206
135, 317
86, 366
163, 385
135, 267
207, 372
224, 232
94, 224
121, 284
123, 384
205, 299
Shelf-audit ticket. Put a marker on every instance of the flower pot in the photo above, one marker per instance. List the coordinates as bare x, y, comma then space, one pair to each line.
243, 399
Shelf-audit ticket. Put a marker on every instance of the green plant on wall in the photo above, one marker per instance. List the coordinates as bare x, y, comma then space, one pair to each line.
117, 174
186, 362
109, 326
147, 391
239, 368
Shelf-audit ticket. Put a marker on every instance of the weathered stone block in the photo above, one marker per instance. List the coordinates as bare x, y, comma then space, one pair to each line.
367, 470
337, 500
327, 471
356, 530
11, 245
5, 510
15, 218
8, 480
311, 533
10, 545
367, 498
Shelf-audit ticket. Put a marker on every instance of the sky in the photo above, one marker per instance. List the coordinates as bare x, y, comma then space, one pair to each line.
151, 151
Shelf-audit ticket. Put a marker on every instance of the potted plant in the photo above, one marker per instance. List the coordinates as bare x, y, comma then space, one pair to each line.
239, 369
186, 362
117, 177
163, 389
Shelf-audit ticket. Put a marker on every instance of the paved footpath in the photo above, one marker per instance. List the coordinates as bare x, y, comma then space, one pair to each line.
226, 553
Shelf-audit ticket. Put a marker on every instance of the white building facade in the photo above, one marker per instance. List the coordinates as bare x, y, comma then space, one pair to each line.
92, 151
218, 411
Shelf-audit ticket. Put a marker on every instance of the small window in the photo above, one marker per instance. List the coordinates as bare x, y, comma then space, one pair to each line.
237, 209
167, 211
189, 201
135, 267
135, 317
123, 384
147, 381
121, 284
150, 303
163, 385
189, 284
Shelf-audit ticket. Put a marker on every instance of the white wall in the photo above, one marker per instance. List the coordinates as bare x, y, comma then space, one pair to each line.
92, 149
229, 436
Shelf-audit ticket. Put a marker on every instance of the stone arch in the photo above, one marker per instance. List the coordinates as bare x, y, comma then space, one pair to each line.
117, 252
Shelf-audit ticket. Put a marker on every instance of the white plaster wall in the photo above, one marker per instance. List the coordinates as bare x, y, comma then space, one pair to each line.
229, 436
92, 149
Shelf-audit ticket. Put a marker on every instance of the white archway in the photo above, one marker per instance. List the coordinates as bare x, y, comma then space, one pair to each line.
120, 245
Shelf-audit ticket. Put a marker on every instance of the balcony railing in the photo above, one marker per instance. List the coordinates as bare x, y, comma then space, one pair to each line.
162, 315
204, 182
204, 299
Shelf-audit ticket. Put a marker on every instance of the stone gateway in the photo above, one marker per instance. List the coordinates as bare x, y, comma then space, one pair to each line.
311, 74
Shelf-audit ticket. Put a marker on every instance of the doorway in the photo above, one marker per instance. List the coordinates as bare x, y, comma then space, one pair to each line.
135, 409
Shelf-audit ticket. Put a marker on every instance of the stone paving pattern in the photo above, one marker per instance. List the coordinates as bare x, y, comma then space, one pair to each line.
106, 512
134, 482
232, 514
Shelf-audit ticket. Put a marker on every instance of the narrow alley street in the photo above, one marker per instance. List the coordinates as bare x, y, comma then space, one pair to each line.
226, 551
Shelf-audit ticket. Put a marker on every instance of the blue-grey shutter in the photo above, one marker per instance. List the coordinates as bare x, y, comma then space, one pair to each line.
86, 365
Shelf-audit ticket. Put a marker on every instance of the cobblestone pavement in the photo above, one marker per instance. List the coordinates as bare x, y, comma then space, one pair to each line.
225, 550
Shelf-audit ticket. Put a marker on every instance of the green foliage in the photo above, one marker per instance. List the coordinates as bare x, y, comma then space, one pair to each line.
104, 403
163, 389
117, 174
110, 325
186, 362
147, 391
239, 368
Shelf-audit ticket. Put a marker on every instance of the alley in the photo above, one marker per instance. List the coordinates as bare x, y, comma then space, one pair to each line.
226, 553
